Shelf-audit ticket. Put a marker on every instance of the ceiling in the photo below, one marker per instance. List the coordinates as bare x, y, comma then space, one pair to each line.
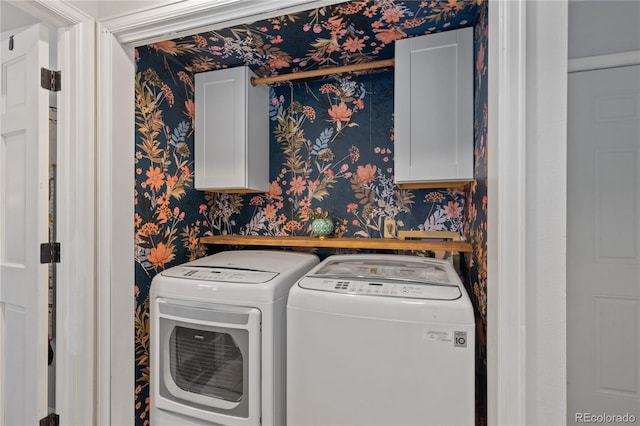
341, 34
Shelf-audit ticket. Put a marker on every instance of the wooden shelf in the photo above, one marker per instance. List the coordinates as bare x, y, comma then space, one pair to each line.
354, 243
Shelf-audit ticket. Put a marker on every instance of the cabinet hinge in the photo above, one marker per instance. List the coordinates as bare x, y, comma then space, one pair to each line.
51, 420
50, 253
50, 80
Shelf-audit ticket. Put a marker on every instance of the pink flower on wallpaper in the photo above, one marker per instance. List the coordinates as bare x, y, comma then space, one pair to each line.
340, 113
190, 110
171, 181
275, 191
278, 63
370, 11
168, 46
155, 178
160, 255
351, 207
270, 211
298, 185
353, 44
367, 173
453, 209
393, 15
390, 35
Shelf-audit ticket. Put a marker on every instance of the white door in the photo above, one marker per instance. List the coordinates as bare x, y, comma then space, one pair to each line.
24, 157
603, 247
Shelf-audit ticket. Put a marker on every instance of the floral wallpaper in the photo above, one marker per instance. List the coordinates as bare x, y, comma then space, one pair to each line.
475, 220
331, 145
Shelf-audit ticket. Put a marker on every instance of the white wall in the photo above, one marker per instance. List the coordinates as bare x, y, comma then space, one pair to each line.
598, 27
12, 18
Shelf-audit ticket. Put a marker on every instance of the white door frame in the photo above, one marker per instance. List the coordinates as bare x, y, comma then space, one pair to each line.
527, 103
598, 62
75, 364
526, 332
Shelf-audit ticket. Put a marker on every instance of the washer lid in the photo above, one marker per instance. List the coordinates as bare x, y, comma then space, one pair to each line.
385, 269
385, 277
204, 273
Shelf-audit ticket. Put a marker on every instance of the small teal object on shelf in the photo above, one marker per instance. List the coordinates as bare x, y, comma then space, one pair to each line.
322, 227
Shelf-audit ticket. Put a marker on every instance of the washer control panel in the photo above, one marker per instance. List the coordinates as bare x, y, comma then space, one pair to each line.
220, 274
372, 288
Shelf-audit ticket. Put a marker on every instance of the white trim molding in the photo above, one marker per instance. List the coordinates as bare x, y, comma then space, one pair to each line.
613, 60
190, 17
526, 338
506, 342
546, 225
76, 280
115, 172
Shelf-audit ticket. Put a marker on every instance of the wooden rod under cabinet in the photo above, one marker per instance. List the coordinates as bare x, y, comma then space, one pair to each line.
323, 71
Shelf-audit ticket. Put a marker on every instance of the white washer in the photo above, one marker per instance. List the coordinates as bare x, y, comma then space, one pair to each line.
218, 334
380, 340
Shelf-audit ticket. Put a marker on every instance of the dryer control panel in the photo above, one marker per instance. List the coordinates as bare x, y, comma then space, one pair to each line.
387, 289
201, 273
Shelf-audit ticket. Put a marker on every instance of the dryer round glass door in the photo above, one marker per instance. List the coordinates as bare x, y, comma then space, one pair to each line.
209, 360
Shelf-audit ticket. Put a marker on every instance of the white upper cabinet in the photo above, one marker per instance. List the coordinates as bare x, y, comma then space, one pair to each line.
434, 110
232, 132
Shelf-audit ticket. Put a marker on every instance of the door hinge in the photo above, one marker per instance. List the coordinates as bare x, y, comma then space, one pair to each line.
50, 253
51, 420
50, 80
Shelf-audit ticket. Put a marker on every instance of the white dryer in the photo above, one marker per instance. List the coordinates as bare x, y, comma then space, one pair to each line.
218, 334
380, 340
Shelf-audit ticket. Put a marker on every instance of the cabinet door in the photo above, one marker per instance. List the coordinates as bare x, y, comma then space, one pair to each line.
434, 109
220, 130
232, 132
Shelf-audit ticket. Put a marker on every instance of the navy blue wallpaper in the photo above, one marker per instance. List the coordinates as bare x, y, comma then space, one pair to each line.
331, 145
